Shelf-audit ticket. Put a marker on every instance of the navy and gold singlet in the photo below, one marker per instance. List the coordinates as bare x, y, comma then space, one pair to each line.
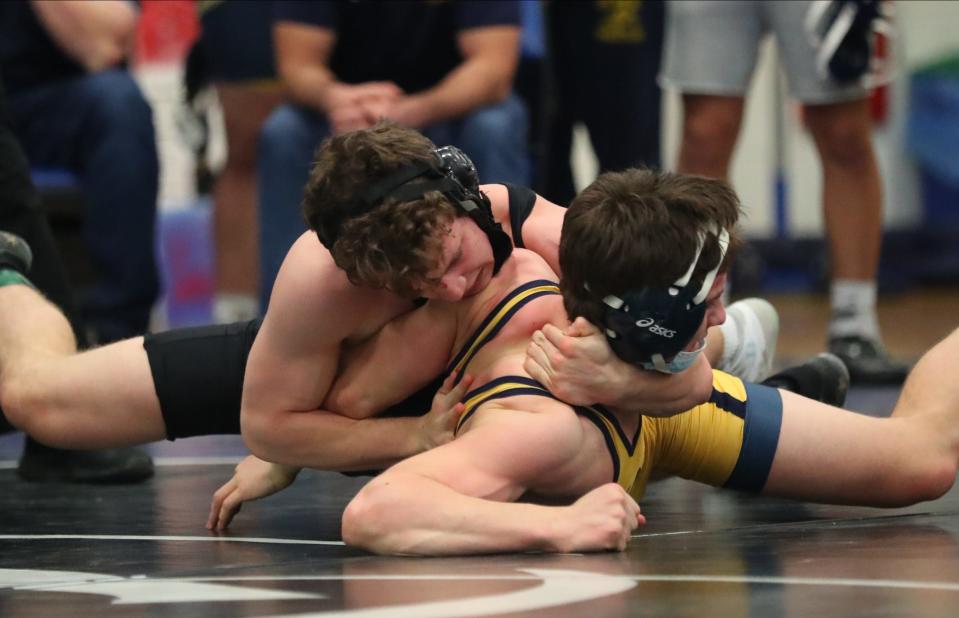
728, 441
497, 318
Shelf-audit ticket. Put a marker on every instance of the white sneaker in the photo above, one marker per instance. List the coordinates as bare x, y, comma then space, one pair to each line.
750, 332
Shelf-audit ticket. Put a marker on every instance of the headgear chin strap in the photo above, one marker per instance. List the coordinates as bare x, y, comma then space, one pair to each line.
650, 325
453, 174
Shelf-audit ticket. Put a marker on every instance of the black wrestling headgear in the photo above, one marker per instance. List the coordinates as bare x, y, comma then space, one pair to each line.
452, 174
651, 324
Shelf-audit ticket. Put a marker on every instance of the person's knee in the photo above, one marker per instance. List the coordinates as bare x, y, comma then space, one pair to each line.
709, 134
28, 406
848, 147
119, 105
495, 137
288, 134
503, 123
843, 134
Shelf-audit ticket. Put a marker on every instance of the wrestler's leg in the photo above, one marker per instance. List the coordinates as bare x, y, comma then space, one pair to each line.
100, 398
831, 455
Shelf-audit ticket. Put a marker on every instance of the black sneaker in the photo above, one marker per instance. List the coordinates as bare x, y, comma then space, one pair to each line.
868, 361
15, 253
42, 464
823, 378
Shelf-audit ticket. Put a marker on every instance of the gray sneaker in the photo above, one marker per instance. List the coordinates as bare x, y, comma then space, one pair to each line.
868, 361
756, 325
824, 378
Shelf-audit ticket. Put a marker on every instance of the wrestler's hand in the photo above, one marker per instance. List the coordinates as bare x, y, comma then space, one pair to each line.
577, 365
602, 520
252, 479
580, 368
437, 426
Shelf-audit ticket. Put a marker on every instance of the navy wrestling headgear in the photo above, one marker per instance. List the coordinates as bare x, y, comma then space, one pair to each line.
651, 324
453, 174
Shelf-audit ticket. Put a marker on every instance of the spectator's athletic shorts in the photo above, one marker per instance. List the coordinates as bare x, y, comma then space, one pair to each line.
711, 48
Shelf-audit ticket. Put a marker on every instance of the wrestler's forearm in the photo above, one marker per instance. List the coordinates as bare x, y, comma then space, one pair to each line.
327, 441
408, 514
654, 394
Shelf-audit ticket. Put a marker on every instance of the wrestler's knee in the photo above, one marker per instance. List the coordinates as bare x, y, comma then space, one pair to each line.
928, 477
31, 408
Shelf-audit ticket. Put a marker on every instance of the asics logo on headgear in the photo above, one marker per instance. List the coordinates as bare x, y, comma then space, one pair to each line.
648, 324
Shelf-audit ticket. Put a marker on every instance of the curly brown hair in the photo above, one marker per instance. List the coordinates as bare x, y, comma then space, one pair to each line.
397, 245
393, 245
639, 228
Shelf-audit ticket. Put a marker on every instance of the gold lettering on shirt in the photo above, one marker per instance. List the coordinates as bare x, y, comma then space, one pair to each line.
620, 21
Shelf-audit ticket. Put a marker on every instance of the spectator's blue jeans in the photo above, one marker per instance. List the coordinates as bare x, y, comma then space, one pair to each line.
494, 137
100, 127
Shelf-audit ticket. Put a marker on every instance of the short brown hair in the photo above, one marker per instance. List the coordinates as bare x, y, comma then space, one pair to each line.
394, 244
640, 228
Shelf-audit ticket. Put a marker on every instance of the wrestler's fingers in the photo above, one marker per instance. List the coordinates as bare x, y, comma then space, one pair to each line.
552, 339
537, 363
231, 506
217, 503
547, 350
448, 383
637, 518
460, 389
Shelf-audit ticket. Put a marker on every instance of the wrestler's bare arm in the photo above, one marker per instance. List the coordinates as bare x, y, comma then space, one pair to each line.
541, 230
459, 498
291, 367
403, 357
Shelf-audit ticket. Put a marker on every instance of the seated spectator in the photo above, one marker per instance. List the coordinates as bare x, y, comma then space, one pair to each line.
235, 53
75, 106
442, 67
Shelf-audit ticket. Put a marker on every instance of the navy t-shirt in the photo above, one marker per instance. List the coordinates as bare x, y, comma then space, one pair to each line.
411, 43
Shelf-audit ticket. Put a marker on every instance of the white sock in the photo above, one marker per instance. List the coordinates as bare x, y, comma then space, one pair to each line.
853, 309
229, 308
